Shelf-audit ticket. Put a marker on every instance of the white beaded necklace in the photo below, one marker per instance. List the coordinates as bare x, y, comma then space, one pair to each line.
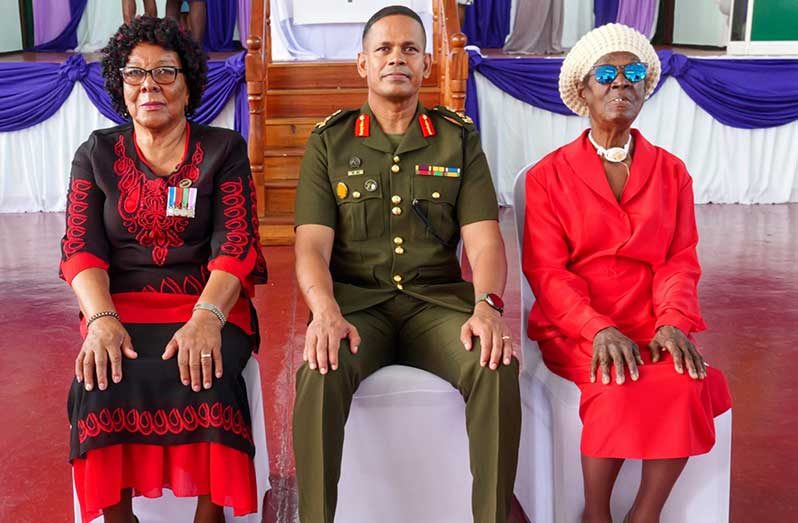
613, 154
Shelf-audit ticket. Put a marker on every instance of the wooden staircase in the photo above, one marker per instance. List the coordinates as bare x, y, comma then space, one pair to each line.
286, 99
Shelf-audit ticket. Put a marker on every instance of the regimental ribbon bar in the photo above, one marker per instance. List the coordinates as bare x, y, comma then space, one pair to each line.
438, 170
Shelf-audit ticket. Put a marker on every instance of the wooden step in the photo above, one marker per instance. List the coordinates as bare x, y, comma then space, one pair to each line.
306, 103
321, 75
271, 234
288, 132
279, 197
282, 164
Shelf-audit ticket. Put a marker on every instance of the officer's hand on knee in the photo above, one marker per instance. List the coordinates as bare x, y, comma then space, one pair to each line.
494, 337
323, 340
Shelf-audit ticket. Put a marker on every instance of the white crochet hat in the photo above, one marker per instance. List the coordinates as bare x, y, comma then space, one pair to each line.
609, 38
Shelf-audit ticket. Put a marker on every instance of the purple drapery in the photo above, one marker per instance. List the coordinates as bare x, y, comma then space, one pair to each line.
31, 92
487, 23
639, 14
50, 17
748, 94
244, 16
68, 38
606, 11
221, 24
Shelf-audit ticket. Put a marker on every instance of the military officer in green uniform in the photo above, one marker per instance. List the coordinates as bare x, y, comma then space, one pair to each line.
385, 194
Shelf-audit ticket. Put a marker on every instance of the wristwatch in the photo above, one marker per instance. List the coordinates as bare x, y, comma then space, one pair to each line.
494, 300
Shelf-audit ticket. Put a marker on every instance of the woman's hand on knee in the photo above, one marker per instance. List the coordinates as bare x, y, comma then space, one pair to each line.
612, 348
106, 342
198, 345
683, 351
323, 341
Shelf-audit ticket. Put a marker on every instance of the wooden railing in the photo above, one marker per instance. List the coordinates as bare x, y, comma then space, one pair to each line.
452, 55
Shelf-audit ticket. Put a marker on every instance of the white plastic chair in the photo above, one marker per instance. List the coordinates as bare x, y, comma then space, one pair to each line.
549, 485
405, 452
169, 509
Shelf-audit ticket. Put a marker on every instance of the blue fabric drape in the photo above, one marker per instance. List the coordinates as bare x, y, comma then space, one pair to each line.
31, 92
68, 39
222, 16
487, 23
606, 11
747, 94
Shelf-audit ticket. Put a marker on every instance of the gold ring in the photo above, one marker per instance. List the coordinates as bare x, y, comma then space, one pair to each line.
506, 338
205, 356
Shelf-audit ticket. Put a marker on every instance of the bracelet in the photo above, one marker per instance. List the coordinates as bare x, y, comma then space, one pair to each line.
213, 309
102, 314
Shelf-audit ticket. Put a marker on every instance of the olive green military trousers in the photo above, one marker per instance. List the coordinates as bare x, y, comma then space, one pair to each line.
408, 331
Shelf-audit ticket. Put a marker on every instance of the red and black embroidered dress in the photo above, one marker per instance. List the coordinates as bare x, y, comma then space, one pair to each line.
150, 431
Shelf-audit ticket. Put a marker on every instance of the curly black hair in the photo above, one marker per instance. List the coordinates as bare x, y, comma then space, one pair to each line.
158, 31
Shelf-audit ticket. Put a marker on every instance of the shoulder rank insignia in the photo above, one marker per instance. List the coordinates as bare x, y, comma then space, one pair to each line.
362, 126
455, 117
427, 129
332, 119
324, 122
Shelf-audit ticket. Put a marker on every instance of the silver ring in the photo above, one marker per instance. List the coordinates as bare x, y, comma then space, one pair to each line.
202, 356
506, 338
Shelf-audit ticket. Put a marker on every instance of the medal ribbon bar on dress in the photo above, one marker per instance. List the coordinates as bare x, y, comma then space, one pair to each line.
181, 201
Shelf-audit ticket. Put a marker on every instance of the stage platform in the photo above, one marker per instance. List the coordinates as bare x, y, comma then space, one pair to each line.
749, 293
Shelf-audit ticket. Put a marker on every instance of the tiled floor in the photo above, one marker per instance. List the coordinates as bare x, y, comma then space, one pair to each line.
750, 301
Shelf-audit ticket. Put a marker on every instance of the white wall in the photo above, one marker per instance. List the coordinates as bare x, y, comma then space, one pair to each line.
10, 32
699, 22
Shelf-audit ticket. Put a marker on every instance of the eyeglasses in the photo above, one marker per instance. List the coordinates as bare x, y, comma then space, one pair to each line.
606, 73
162, 75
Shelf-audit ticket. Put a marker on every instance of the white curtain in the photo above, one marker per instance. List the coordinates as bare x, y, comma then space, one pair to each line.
100, 21
728, 165
35, 162
103, 17
292, 41
577, 20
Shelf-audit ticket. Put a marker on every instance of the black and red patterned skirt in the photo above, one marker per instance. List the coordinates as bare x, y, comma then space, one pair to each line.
150, 432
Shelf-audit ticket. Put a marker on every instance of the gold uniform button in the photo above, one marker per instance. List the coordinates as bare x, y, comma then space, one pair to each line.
394, 168
398, 240
399, 286
356, 194
396, 211
396, 199
399, 250
395, 159
397, 278
435, 195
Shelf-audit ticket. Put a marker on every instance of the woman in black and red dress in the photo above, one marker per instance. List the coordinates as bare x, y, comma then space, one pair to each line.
162, 251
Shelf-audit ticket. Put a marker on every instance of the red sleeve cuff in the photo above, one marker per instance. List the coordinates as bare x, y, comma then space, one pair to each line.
80, 262
591, 328
241, 269
675, 319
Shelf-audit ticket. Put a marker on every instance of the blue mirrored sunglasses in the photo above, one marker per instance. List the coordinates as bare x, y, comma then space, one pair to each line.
606, 73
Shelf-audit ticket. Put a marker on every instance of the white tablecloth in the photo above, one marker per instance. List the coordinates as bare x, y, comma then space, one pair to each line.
292, 41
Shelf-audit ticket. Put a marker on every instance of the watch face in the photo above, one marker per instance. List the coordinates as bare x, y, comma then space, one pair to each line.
496, 301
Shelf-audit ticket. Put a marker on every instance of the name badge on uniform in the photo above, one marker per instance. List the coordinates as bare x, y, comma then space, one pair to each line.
438, 170
181, 201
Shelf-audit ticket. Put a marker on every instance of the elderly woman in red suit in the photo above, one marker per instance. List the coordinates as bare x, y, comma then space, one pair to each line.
610, 252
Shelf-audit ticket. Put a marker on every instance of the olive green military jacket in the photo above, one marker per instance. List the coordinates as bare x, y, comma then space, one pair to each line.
396, 211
